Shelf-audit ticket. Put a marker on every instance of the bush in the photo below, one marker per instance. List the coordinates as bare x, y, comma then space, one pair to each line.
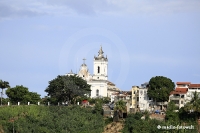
48, 119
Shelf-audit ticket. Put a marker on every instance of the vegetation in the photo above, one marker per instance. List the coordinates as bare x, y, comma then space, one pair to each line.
120, 106
160, 88
3, 85
21, 94
134, 124
194, 105
67, 88
98, 107
171, 115
50, 119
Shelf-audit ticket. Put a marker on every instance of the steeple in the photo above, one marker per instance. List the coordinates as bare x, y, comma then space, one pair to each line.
100, 52
100, 55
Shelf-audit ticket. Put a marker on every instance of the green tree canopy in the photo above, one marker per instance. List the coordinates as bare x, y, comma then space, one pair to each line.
22, 94
67, 88
160, 88
120, 107
3, 85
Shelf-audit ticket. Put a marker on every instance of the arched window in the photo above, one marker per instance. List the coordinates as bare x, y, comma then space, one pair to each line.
97, 92
98, 69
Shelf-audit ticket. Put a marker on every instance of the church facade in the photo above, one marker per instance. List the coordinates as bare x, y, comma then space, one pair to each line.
100, 85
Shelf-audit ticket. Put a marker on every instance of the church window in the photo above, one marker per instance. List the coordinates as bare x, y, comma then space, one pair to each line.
137, 98
97, 92
98, 69
83, 75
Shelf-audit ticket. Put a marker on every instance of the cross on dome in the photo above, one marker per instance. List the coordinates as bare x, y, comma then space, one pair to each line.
84, 60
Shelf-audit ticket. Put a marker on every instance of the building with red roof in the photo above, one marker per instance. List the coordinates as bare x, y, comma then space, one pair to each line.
183, 93
178, 96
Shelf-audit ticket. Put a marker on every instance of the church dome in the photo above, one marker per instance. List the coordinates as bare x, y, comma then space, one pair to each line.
84, 72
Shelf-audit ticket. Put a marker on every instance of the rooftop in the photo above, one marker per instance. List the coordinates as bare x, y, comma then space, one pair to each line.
194, 86
183, 83
179, 91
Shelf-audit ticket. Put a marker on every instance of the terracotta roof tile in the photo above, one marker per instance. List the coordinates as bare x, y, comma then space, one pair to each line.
183, 83
194, 85
179, 91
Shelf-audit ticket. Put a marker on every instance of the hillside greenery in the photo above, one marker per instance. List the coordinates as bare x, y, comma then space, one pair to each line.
50, 119
134, 124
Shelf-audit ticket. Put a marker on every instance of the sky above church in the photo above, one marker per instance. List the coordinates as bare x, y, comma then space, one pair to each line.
40, 39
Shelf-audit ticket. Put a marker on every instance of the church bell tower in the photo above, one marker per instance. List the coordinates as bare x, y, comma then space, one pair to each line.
100, 66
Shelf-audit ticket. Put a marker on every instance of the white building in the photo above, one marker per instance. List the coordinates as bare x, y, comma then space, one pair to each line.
145, 103
100, 86
191, 89
183, 93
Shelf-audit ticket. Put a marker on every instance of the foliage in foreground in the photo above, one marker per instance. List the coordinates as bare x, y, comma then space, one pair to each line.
50, 119
134, 124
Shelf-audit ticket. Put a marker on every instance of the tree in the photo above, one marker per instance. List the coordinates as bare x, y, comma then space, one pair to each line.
194, 104
171, 115
98, 107
22, 94
3, 85
160, 88
67, 88
120, 107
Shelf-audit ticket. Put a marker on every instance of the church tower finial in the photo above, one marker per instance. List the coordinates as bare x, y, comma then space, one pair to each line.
100, 52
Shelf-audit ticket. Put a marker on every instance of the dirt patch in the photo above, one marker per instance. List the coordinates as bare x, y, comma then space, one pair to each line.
114, 127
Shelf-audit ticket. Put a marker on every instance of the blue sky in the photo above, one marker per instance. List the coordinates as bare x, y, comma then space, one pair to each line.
41, 39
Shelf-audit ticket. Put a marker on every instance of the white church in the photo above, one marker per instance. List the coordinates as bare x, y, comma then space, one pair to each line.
100, 85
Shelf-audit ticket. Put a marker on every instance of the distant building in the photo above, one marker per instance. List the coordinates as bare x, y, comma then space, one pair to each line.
135, 98
178, 96
100, 85
183, 93
124, 96
140, 99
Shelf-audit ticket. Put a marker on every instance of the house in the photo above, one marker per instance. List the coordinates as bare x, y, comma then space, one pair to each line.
179, 96
135, 98
124, 96
183, 93
145, 103
140, 99
191, 89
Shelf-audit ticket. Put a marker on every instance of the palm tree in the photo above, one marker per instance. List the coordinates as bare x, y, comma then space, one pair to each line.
3, 85
194, 104
120, 107
195, 101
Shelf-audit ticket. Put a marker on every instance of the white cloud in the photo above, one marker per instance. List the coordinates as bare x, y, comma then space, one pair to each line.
22, 8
